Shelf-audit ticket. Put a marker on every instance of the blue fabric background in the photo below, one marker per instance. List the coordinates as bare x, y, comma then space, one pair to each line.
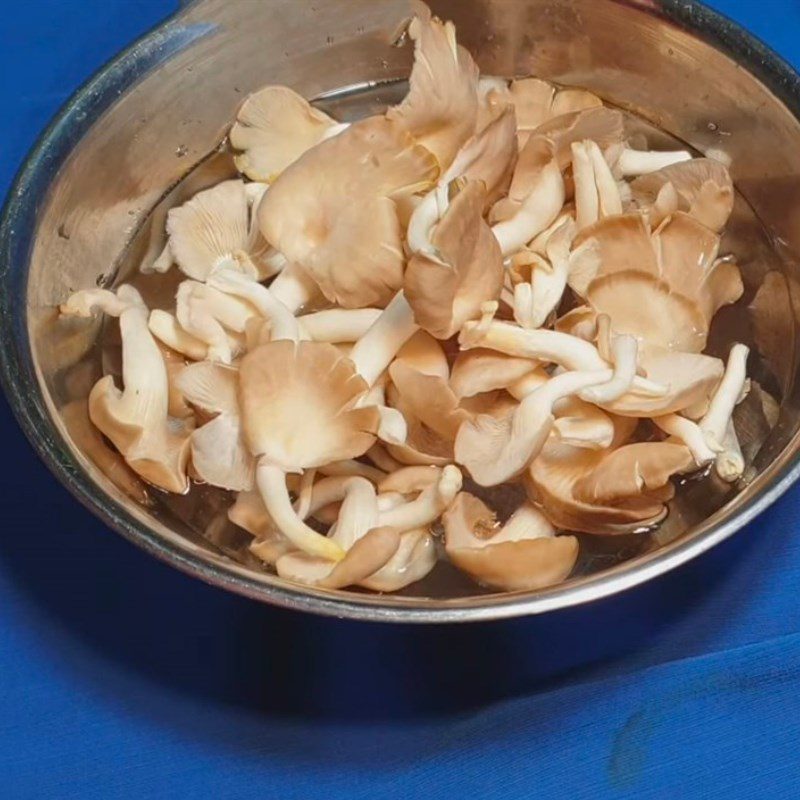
121, 678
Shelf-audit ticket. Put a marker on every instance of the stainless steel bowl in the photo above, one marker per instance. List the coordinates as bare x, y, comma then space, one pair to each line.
89, 201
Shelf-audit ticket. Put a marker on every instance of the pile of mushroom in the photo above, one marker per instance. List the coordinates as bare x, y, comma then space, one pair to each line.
483, 285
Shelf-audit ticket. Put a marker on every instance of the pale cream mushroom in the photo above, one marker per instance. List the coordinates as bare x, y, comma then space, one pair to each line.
219, 454
522, 554
336, 325
535, 197
136, 418
441, 108
621, 489
688, 432
702, 187
298, 410
167, 330
425, 354
216, 224
352, 249
463, 269
211, 317
414, 559
297, 289
273, 128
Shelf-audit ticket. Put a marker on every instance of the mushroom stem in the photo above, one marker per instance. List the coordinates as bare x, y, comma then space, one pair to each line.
690, 434
351, 467
167, 329
538, 211
336, 325
596, 192
568, 351
283, 323
271, 481
430, 210
730, 462
427, 506
294, 287
640, 162
624, 350
375, 350
715, 422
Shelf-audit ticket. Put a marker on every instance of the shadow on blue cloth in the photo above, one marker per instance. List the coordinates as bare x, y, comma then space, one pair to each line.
92, 591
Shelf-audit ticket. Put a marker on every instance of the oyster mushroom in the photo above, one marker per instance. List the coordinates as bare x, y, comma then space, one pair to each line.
671, 281
535, 197
273, 128
463, 268
219, 454
621, 489
353, 250
496, 450
480, 370
298, 411
640, 162
702, 188
214, 225
522, 554
537, 101
603, 126
136, 418
441, 108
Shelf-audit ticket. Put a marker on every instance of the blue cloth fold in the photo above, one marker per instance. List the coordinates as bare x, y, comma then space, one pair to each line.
120, 677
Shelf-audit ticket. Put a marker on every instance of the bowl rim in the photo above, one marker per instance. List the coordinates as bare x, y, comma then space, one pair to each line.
18, 222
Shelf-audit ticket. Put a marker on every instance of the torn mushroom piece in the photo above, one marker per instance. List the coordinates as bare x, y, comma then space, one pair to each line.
641, 162
522, 554
273, 128
217, 224
440, 110
353, 250
298, 404
482, 370
136, 419
461, 268
702, 188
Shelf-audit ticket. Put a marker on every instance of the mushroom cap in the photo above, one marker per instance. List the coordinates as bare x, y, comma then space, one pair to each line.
352, 249
618, 490
273, 128
537, 101
410, 480
604, 126
489, 156
423, 446
522, 555
703, 187
425, 354
662, 288
429, 399
298, 405
213, 388
212, 225
481, 370
447, 290
220, 456
441, 108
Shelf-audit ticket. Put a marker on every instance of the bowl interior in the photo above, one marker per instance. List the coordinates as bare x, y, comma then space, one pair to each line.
150, 137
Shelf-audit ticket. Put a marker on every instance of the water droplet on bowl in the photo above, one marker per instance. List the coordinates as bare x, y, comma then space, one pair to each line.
181, 150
